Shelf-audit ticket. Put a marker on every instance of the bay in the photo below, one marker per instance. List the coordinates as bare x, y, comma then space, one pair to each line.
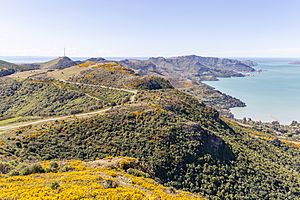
270, 95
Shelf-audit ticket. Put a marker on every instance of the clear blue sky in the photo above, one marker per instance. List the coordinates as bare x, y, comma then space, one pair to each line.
226, 28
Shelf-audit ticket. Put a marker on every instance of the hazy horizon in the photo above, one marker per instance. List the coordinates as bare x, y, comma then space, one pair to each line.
37, 59
139, 28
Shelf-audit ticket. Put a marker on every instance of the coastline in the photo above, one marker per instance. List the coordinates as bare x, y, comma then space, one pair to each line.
288, 132
270, 93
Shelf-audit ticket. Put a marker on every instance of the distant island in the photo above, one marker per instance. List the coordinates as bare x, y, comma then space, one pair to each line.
294, 62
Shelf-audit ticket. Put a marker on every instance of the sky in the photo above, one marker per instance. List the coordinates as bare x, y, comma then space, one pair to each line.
143, 28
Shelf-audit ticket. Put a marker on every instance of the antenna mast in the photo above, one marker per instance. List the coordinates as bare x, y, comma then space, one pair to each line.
64, 52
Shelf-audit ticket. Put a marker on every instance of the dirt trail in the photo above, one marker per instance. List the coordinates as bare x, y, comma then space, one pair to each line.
103, 86
81, 115
132, 98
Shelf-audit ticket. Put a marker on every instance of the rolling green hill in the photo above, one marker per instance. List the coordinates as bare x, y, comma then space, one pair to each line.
7, 68
57, 63
179, 141
44, 98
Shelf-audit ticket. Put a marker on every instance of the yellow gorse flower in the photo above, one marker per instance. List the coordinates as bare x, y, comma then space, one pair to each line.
92, 180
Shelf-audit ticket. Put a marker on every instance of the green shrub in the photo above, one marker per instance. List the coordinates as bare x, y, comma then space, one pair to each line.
54, 185
14, 172
26, 169
54, 166
139, 173
5, 167
36, 169
66, 168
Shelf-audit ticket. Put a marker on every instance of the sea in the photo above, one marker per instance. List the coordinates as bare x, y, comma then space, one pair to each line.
270, 95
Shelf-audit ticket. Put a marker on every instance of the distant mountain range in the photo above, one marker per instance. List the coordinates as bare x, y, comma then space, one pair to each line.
192, 67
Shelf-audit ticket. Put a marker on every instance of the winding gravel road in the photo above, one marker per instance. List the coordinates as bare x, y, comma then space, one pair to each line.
81, 115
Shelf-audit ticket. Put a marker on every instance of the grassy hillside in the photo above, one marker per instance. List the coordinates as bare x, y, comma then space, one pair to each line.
98, 73
53, 98
179, 141
113, 74
9, 65
57, 63
110, 178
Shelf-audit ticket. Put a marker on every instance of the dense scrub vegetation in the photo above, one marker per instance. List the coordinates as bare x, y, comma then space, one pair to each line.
151, 83
106, 74
48, 98
106, 95
102, 179
115, 75
180, 141
290, 131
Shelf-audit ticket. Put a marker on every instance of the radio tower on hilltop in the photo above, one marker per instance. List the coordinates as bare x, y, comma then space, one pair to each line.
64, 52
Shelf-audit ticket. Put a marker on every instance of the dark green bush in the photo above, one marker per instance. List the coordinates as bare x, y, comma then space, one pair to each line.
54, 185
66, 168
136, 172
6, 167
